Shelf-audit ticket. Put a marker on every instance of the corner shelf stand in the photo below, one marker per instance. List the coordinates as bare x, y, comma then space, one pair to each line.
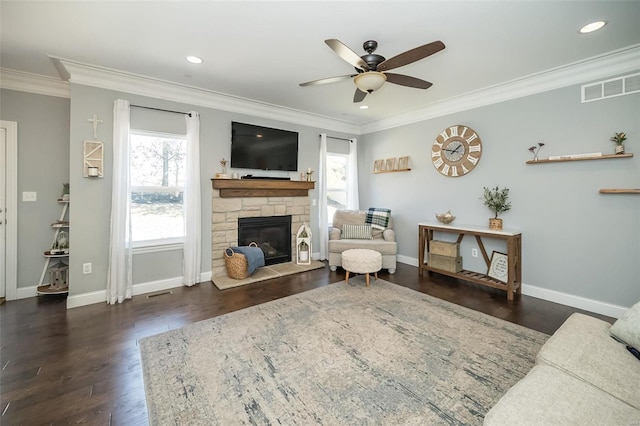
58, 268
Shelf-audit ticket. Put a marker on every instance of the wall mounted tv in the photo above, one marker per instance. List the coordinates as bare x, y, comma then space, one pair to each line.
263, 148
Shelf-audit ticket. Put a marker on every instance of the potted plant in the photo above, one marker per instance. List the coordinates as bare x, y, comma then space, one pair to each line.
497, 201
619, 139
65, 192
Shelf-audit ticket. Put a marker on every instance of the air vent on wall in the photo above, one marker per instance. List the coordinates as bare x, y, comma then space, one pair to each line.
618, 86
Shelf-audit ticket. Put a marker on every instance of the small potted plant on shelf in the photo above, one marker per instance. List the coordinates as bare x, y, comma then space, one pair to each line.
619, 139
65, 192
498, 202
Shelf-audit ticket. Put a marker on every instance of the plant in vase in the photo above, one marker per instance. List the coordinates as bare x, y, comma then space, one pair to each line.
65, 192
498, 202
535, 150
619, 139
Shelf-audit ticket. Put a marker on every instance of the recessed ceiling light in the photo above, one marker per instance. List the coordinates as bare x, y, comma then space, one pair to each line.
364, 107
594, 26
194, 59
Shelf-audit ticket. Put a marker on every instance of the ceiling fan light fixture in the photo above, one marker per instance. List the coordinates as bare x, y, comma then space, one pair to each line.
194, 59
594, 26
369, 81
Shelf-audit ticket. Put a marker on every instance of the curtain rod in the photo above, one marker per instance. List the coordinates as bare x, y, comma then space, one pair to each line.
341, 139
160, 109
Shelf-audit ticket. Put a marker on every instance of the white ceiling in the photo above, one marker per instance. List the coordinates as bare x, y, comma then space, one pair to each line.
263, 50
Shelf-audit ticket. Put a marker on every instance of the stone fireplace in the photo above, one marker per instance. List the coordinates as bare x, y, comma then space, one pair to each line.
234, 199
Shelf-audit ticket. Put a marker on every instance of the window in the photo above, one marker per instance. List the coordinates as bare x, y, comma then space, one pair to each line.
336, 183
157, 168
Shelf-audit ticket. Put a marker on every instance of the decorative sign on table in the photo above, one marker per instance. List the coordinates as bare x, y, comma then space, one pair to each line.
499, 268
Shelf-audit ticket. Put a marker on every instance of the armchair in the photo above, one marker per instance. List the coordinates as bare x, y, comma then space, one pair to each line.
382, 241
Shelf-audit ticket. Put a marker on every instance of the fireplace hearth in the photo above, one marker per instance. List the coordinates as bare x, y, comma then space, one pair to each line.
271, 233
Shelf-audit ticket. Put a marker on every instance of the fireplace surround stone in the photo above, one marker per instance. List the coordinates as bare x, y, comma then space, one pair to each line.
226, 211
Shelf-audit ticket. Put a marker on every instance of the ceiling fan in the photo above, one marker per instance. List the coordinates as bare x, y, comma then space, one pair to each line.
372, 68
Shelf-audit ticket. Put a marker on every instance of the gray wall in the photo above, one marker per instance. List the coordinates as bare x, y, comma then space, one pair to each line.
43, 166
575, 240
92, 197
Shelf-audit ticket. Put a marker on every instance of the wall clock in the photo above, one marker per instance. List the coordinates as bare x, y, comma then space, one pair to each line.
456, 151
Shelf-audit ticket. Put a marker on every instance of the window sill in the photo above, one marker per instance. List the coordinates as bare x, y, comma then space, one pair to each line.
146, 247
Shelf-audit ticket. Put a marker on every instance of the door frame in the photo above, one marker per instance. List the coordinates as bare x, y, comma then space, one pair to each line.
11, 258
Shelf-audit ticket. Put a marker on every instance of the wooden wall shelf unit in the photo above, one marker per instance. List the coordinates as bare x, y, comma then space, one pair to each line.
238, 188
514, 253
391, 171
562, 160
620, 191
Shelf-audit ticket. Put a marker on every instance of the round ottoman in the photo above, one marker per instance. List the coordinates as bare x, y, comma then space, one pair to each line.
361, 261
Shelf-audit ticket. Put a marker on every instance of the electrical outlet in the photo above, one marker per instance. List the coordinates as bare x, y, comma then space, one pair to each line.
86, 268
474, 252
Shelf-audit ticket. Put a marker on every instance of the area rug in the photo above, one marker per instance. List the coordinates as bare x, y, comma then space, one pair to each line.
337, 355
266, 273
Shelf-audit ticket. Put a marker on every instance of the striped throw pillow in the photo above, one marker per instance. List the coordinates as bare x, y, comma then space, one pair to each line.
356, 232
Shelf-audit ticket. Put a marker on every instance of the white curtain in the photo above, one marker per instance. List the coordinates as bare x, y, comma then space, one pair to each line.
322, 196
191, 204
119, 274
353, 200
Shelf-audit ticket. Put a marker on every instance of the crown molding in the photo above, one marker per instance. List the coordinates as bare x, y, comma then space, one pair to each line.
111, 79
33, 83
612, 63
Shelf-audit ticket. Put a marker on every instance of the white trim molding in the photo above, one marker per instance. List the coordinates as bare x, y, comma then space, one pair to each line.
595, 306
33, 83
111, 79
11, 194
613, 63
138, 289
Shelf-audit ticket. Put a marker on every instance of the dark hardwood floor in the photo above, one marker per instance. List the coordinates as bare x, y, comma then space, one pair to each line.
82, 366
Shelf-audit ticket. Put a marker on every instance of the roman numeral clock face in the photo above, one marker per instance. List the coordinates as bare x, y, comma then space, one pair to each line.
456, 151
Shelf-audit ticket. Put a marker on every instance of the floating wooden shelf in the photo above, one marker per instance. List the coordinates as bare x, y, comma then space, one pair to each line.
238, 188
620, 191
392, 171
603, 157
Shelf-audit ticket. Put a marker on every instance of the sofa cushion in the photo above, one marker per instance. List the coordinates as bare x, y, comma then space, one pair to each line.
379, 245
356, 232
627, 328
546, 397
583, 348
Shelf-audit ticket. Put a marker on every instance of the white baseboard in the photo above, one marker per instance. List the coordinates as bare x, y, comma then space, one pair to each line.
25, 292
579, 302
566, 299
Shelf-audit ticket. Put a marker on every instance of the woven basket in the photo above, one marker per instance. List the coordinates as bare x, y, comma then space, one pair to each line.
236, 263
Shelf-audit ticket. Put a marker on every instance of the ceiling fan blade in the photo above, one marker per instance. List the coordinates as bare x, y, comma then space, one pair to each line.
359, 96
411, 56
327, 80
347, 54
405, 80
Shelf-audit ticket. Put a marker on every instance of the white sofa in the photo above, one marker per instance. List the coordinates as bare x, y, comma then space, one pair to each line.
383, 241
582, 377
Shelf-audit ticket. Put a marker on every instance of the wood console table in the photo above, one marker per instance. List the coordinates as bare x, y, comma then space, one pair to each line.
514, 253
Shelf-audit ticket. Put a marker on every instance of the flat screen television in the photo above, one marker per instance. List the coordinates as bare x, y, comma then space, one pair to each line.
263, 148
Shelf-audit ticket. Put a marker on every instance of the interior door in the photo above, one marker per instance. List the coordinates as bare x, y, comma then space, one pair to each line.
3, 209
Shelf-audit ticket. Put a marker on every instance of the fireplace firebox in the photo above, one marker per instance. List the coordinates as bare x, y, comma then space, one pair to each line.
271, 233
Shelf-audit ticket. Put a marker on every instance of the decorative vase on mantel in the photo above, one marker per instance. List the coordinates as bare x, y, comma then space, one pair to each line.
495, 224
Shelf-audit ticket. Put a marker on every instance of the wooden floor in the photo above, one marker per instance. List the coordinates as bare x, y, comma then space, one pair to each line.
82, 366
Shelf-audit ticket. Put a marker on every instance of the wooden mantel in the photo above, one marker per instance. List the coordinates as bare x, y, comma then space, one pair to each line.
237, 188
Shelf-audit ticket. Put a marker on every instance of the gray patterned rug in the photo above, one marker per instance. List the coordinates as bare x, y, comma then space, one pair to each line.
337, 355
